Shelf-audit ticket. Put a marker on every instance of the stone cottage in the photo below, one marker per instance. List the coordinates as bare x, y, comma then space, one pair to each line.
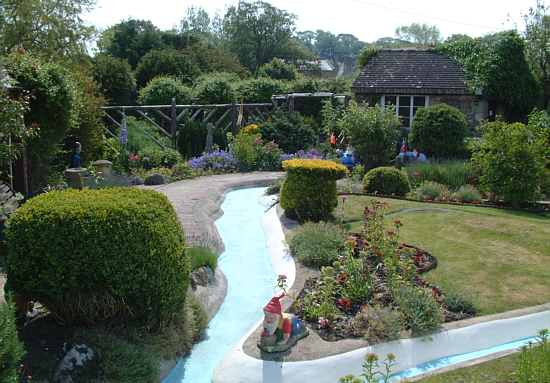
410, 79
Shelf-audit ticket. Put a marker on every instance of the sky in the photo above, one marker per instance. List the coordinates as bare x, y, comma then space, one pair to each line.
366, 19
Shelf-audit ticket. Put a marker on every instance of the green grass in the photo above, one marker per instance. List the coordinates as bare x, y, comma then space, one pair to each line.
201, 256
496, 371
453, 174
500, 258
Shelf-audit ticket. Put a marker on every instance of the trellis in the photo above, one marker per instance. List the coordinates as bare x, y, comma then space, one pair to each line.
167, 118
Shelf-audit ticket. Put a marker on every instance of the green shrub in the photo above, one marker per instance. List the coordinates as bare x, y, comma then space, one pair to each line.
156, 157
259, 89
358, 173
93, 255
420, 311
305, 85
317, 244
181, 171
277, 69
53, 110
253, 153
458, 303
289, 131
201, 256
217, 88
387, 181
115, 78
439, 131
511, 160
377, 324
373, 132
309, 191
161, 91
466, 194
431, 191
453, 174
191, 138
534, 362
140, 133
166, 62
545, 183
11, 349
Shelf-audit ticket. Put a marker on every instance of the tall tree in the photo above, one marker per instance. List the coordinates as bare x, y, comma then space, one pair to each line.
419, 34
130, 40
537, 40
196, 20
51, 28
257, 32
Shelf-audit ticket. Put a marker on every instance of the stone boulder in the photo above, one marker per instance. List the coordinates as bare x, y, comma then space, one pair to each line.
78, 362
155, 179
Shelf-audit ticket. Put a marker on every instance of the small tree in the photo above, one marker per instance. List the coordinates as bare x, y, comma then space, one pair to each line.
373, 132
511, 158
115, 79
161, 90
277, 69
439, 131
168, 62
216, 88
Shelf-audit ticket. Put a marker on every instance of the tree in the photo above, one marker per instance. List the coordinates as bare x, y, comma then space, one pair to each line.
131, 40
277, 69
196, 20
258, 32
168, 62
115, 79
537, 42
419, 34
51, 28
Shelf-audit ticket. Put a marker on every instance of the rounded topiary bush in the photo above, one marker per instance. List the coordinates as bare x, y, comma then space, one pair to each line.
95, 255
386, 180
309, 191
161, 90
439, 131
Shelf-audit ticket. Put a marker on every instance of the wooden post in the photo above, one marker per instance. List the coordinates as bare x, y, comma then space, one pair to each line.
173, 122
234, 118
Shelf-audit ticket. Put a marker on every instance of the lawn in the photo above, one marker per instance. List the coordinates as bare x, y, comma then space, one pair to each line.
496, 371
500, 259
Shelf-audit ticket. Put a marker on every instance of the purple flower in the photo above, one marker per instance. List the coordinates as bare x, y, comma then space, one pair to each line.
218, 160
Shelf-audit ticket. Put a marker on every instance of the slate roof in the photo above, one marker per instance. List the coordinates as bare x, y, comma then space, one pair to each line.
411, 71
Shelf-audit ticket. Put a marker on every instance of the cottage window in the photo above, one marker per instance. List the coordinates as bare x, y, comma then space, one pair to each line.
405, 106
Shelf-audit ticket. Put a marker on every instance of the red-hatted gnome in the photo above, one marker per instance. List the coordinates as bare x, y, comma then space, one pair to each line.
281, 330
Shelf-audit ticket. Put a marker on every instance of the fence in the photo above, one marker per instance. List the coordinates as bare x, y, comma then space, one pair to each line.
167, 118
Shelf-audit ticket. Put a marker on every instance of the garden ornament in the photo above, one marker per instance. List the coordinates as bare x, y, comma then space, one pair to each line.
281, 330
75, 159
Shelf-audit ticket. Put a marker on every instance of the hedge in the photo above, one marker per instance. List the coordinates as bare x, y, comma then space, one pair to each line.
309, 191
386, 180
93, 255
11, 349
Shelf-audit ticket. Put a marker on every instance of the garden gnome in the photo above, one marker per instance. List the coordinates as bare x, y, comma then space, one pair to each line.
280, 330
75, 159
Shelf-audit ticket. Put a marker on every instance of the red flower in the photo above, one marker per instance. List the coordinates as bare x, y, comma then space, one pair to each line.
345, 303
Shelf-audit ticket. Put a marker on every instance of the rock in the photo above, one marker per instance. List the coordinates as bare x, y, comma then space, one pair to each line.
155, 179
135, 180
75, 364
203, 276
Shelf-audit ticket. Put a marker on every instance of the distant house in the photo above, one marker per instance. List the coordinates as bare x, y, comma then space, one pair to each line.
410, 79
318, 68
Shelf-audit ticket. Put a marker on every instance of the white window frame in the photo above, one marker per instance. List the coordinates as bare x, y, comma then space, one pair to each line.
411, 105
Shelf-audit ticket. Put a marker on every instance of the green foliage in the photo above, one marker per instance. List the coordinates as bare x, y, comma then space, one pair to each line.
373, 132
309, 191
458, 303
212, 59
431, 191
419, 34
154, 157
466, 194
115, 79
289, 131
12, 112
453, 174
253, 153
366, 54
48, 28
277, 69
319, 304
11, 349
166, 62
257, 32
259, 89
420, 311
317, 244
534, 363
305, 85
92, 255
191, 138
202, 256
358, 173
216, 88
53, 94
377, 324
439, 131
161, 90
131, 40
140, 133
497, 64
387, 181
511, 160
372, 371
